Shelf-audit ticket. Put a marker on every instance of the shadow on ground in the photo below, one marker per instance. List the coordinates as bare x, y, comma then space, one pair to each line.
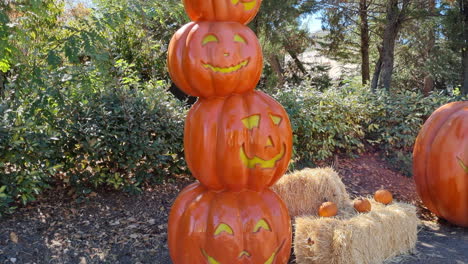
116, 228
439, 243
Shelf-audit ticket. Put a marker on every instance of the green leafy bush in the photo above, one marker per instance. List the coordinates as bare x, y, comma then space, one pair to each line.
25, 149
326, 123
119, 134
123, 137
345, 119
398, 118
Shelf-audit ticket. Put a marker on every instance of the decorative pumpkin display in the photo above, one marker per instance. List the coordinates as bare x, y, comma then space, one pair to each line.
383, 196
362, 205
328, 209
440, 163
242, 11
228, 227
209, 59
237, 142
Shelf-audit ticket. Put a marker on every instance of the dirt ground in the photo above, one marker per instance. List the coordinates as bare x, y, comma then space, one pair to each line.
116, 228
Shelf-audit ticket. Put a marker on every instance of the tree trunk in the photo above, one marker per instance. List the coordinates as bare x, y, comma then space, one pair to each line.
388, 44
464, 10
378, 69
298, 62
393, 23
364, 25
2, 84
428, 80
276, 66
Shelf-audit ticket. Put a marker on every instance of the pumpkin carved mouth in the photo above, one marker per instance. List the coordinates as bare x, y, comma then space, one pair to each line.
264, 164
248, 5
270, 260
226, 69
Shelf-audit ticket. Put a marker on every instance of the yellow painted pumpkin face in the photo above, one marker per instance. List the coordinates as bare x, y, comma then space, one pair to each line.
224, 229
211, 41
253, 122
242, 141
208, 59
247, 4
229, 227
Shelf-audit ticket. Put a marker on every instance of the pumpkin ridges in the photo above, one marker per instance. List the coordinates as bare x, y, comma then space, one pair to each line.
217, 211
284, 217
421, 151
191, 137
446, 180
278, 174
240, 211
430, 162
206, 135
178, 209
217, 10
177, 39
188, 59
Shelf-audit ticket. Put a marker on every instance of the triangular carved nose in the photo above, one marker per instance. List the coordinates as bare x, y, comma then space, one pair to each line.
269, 142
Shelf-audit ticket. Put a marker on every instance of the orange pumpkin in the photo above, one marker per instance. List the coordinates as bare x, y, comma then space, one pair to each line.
242, 11
209, 59
383, 196
362, 205
328, 209
440, 163
237, 142
228, 227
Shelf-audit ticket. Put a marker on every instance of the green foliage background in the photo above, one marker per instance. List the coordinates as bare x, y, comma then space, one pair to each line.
85, 103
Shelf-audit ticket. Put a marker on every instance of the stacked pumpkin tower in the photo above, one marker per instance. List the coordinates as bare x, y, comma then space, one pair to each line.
237, 141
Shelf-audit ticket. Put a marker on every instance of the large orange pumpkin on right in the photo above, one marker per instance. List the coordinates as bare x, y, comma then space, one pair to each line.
440, 163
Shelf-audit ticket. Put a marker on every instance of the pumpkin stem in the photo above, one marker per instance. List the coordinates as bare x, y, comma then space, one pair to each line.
464, 167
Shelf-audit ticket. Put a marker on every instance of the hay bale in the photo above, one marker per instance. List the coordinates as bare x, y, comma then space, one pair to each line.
304, 191
372, 237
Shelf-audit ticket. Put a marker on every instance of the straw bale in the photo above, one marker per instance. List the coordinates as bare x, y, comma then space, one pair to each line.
371, 237
304, 191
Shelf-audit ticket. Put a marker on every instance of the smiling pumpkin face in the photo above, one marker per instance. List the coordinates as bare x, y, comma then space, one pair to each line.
209, 59
228, 227
237, 142
242, 11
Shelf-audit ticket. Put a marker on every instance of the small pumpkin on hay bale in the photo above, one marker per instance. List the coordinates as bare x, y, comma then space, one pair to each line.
304, 191
349, 237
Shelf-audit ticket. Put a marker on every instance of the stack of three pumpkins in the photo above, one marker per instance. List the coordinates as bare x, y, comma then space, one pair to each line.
237, 142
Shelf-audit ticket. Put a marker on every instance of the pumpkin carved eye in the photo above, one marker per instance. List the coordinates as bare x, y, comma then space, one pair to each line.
276, 119
223, 228
261, 224
209, 38
238, 38
251, 121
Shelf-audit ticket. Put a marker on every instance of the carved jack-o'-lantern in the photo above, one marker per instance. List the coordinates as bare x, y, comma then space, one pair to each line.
228, 227
241, 141
215, 59
241, 11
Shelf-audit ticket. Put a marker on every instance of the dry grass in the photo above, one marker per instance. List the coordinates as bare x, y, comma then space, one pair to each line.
349, 237
304, 191
385, 232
